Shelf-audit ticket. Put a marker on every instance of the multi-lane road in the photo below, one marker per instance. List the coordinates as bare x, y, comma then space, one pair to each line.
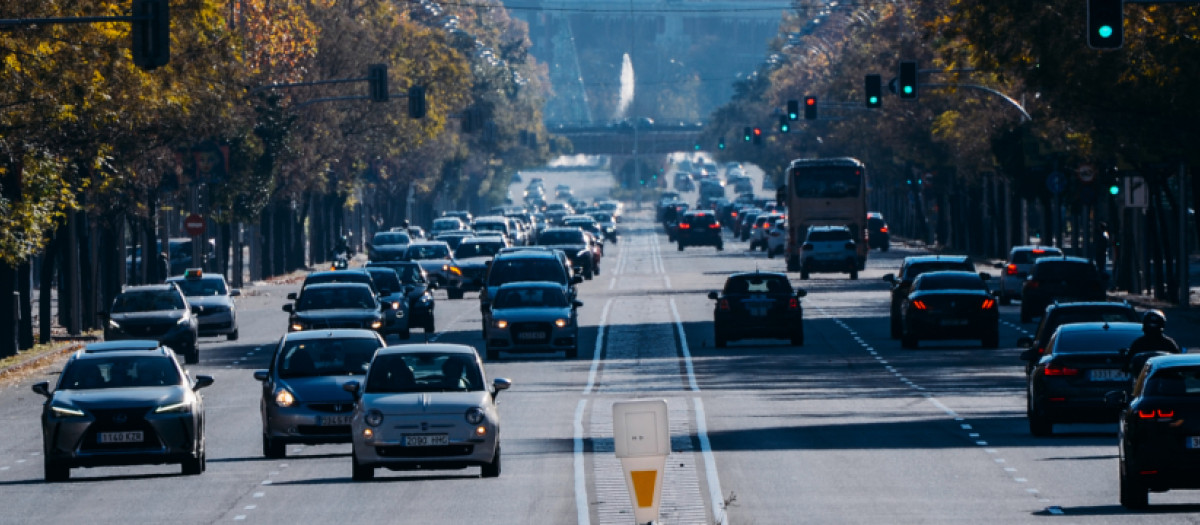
849, 428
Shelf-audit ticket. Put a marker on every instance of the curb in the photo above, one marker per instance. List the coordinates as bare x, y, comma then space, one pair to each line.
36, 360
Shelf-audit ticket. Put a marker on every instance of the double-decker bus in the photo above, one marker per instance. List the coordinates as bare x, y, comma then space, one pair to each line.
825, 192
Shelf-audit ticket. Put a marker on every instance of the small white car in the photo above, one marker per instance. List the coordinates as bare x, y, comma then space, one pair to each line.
777, 237
1016, 269
828, 249
425, 406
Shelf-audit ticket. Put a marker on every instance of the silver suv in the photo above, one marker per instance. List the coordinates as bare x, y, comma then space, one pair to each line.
828, 249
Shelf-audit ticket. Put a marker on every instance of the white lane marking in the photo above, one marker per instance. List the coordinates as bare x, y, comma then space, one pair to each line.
266, 482
239, 517
612, 281
1009, 469
20, 461
6, 467
687, 354
710, 465
250, 507
966, 426
259, 494
599, 349
973, 435
581, 499
1020, 480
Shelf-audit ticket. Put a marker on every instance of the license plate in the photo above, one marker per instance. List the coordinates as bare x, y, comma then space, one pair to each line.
1107, 374
120, 437
1193, 442
427, 440
954, 322
330, 421
524, 336
758, 312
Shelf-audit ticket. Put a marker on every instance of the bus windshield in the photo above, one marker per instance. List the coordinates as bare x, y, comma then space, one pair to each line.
827, 182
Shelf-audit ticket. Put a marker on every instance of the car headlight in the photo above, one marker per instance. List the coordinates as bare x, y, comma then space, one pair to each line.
66, 411
376, 324
113, 325
475, 415
425, 297
560, 323
180, 407
373, 418
396, 306
296, 326
284, 398
501, 324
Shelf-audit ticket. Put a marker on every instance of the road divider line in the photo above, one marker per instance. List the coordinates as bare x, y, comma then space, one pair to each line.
591, 383
683, 347
715, 494
581, 498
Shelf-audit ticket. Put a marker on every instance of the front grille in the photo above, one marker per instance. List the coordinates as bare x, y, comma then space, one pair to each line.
523, 328
321, 324
120, 420
425, 452
332, 408
331, 430
151, 330
213, 310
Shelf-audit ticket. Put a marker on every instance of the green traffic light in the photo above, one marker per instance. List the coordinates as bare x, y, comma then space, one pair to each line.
1114, 190
697, 147
908, 90
874, 100
1105, 31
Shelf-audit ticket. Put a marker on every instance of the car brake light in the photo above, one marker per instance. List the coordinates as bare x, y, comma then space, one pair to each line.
733, 214
715, 225
988, 303
793, 304
723, 304
919, 305
1039, 251
1011, 269
1154, 414
883, 229
684, 225
1041, 350
1059, 370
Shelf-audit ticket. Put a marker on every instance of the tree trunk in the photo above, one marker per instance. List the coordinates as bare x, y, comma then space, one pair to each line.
25, 288
46, 290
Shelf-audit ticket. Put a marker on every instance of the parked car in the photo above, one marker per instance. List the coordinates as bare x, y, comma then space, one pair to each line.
950, 305
1016, 269
213, 295
758, 305
828, 249
439, 387
1060, 279
122, 404
159, 312
532, 317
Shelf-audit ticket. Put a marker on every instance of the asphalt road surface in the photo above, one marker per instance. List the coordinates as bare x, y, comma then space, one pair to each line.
849, 428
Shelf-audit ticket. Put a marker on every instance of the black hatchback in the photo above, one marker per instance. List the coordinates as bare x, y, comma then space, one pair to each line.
699, 228
758, 305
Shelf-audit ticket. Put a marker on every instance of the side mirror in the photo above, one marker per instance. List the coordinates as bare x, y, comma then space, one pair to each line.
42, 388
713, 295
202, 381
354, 387
576, 304
235, 292
889, 278
1029, 355
287, 308
1116, 399
499, 384
261, 375
1025, 342
800, 292
291, 296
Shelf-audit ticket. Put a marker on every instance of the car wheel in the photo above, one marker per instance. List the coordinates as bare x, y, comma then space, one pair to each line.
798, 338
405, 333
193, 466
883, 248
454, 294
429, 325
1026, 316
233, 336
770, 254
273, 448
1134, 495
897, 329
492, 470
1039, 424
679, 247
55, 471
192, 356
596, 270
804, 274
360, 472
854, 274
573, 352
909, 341
720, 341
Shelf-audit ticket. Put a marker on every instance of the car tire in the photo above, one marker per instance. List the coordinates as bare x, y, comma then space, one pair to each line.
770, 254
233, 336
720, 341
596, 270
54, 471
897, 329
572, 352
492, 470
360, 472
1026, 317
405, 333
1134, 495
1039, 424
798, 338
803, 274
909, 341
430, 325
192, 356
884, 248
193, 466
679, 247
273, 448
720, 247
454, 294
854, 274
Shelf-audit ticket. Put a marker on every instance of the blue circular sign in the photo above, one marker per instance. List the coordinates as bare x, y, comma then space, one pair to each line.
1056, 182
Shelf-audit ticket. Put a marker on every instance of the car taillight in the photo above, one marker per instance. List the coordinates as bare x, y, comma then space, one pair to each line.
1059, 370
1041, 350
715, 226
1156, 414
1011, 269
988, 304
723, 304
793, 304
733, 214
883, 229
684, 225
809, 246
919, 305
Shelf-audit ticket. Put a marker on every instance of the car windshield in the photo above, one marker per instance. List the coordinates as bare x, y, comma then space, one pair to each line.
1174, 382
1066, 271
1094, 341
477, 249
446, 224
336, 297
915, 270
526, 269
758, 284
148, 301
1028, 256
561, 237
532, 297
201, 287
119, 372
386, 279
384, 238
490, 227
828, 235
326, 357
417, 253
423, 372
950, 282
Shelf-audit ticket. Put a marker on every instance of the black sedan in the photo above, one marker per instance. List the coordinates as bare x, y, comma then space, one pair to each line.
950, 305
336, 305
118, 404
1159, 438
1083, 364
758, 305
156, 311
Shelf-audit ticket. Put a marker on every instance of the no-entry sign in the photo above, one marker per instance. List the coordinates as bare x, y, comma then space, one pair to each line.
194, 224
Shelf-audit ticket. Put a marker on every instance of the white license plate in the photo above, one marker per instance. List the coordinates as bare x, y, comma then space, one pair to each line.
330, 421
427, 440
1192, 442
954, 322
526, 336
1107, 374
135, 436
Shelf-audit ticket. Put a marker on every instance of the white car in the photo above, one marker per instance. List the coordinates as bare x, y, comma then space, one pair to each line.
1016, 269
777, 237
828, 249
425, 406
210, 291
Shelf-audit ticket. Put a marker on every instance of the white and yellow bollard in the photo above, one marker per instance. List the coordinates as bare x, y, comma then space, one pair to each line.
642, 441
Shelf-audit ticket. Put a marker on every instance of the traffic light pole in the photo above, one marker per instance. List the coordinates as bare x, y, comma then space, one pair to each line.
986, 89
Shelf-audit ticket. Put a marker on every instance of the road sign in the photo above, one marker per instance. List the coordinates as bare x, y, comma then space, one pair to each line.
1056, 182
642, 441
1086, 173
1137, 195
194, 224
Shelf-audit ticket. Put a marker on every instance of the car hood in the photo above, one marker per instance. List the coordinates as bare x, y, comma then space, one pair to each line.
104, 398
425, 402
321, 389
210, 300
156, 317
432, 264
472, 262
547, 314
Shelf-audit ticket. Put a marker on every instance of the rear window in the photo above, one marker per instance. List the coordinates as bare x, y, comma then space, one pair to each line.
476, 249
561, 237
1029, 256
1065, 271
757, 284
701, 219
916, 269
391, 238
519, 269
829, 235
1174, 382
1093, 341
950, 282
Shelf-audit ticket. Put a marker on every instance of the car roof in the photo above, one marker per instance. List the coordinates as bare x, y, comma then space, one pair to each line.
936, 258
824, 228
323, 273
492, 239
1081, 305
754, 273
1100, 325
1066, 258
202, 277
539, 254
320, 286
149, 288
530, 284
1034, 248
1174, 361
344, 333
445, 348
127, 344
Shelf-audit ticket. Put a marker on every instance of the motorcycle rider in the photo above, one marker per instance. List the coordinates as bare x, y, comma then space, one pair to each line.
1153, 341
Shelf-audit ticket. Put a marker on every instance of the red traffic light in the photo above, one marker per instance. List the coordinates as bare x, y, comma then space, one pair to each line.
810, 101
758, 131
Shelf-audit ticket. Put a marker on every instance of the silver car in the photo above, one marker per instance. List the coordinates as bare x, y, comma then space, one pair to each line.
1016, 269
122, 403
210, 291
434, 258
302, 396
425, 406
532, 317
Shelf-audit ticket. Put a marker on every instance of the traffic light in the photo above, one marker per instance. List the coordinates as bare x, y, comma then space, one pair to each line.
874, 91
908, 79
783, 124
377, 82
721, 143
696, 147
151, 35
747, 134
416, 102
810, 108
1114, 189
793, 110
758, 136
1105, 24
